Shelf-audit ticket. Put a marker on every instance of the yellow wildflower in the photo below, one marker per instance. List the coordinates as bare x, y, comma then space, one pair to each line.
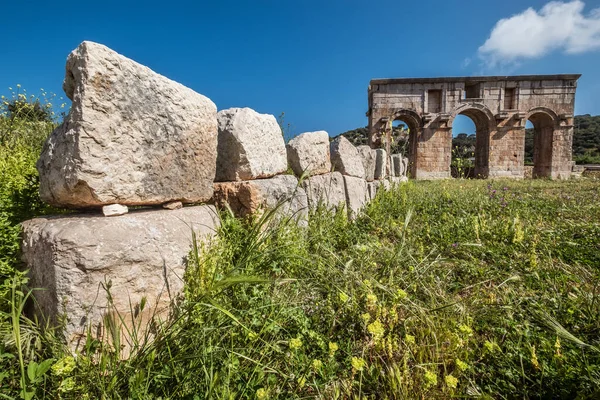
366, 317
430, 378
376, 329
295, 343
465, 330
491, 347
451, 381
67, 385
358, 363
333, 347
301, 382
262, 394
534, 359
64, 366
317, 364
461, 365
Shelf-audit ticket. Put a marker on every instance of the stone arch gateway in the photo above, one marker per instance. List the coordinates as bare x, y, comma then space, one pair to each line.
498, 105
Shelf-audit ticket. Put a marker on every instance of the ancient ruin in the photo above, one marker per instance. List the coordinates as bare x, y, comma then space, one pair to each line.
499, 106
136, 138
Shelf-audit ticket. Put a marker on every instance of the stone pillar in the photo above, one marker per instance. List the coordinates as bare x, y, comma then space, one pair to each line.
433, 152
507, 149
562, 144
414, 134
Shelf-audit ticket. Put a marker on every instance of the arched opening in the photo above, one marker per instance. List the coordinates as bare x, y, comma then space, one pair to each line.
538, 143
473, 162
462, 163
405, 128
400, 138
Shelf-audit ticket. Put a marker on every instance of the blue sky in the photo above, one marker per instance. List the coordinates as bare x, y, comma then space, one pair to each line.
310, 59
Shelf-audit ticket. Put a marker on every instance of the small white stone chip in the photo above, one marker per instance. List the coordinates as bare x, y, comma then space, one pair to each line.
113, 210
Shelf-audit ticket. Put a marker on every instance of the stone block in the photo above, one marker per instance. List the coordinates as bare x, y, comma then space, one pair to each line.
381, 161
309, 152
397, 164
132, 137
140, 255
369, 160
373, 188
345, 158
114, 210
404, 166
250, 146
251, 197
356, 194
327, 189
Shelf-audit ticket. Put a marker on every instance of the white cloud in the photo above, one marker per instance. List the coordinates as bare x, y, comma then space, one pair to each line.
533, 34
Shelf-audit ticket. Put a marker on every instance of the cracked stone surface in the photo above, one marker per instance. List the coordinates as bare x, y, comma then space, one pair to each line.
142, 254
132, 137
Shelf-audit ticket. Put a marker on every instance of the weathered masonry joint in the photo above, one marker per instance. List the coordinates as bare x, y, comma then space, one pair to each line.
499, 106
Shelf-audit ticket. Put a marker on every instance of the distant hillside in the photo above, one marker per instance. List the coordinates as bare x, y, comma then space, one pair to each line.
360, 136
586, 140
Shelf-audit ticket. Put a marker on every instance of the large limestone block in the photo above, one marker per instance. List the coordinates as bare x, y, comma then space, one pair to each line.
132, 137
373, 188
309, 152
345, 158
251, 197
356, 194
369, 160
327, 189
398, 166
250, 146
142, 254
380, 164
405, 166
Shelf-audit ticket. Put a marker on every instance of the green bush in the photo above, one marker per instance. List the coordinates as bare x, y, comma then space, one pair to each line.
24, 125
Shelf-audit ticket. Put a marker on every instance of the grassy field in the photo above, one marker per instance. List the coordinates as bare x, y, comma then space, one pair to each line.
457, 288
477, 289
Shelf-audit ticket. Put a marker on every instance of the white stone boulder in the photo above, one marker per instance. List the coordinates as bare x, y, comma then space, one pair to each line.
397, 165
357, 195
309, 152
405, 166
345, 158
381, 161
132, 137
373, 188
255, 196
140, 255
327, 189
369, 160
250, 146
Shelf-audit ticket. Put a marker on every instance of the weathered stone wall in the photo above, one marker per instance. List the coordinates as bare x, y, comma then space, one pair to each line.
335, 174
134, 137
499, 106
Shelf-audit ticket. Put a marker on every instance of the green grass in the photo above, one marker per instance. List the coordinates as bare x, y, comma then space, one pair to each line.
458, 288
442, 289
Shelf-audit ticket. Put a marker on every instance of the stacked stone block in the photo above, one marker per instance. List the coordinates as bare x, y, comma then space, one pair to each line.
136, 138
132, 137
